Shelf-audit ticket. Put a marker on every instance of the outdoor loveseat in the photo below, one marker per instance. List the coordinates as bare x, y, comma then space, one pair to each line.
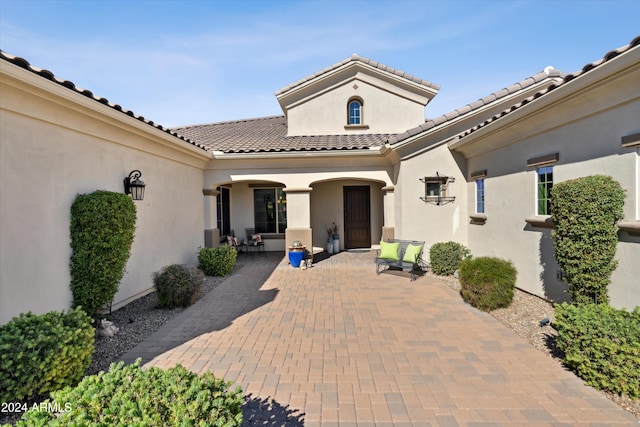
405, 255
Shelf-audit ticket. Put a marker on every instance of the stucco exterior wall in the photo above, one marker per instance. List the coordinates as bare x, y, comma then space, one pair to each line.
588, 146
52, 148
418, 220
383, 111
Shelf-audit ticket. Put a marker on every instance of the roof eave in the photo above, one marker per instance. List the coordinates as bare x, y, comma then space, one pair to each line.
378, 151
620, 63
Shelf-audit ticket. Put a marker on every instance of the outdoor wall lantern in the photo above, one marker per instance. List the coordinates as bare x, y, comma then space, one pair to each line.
134, 186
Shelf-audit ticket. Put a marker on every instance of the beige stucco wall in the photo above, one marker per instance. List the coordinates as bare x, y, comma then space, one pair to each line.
384, 109
417, 220
55, 144
586, 146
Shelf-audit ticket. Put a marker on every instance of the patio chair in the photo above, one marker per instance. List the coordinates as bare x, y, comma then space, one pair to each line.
254, 240
232, 240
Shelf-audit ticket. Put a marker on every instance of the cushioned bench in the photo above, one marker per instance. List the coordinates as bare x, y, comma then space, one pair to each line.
405, 255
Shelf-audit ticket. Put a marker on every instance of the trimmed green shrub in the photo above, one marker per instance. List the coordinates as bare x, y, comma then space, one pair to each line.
132, 396
445, 257
178, 285
217, 261
602, 345
102, 228
40, 354
585, 212
487, 282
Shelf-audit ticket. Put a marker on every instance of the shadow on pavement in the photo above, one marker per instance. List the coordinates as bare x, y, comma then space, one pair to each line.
267, 412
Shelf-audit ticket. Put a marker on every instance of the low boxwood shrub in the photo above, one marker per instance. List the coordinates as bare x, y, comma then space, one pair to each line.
178, 285
132, 396
43, 353
445, 257
217, 261
487, 282
602, 345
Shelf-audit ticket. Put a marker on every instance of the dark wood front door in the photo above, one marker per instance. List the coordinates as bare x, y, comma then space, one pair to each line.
357, 217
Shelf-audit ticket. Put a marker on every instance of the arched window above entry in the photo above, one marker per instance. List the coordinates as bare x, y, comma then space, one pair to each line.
355, 112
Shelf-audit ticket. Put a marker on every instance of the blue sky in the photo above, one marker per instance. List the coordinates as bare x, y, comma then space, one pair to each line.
190, 62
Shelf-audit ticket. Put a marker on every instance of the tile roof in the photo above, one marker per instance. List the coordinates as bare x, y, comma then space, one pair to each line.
23, 63
269, 134
566, 79
476, 105
358, 58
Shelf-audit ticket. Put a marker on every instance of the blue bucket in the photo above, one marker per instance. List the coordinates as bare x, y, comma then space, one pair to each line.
295, 257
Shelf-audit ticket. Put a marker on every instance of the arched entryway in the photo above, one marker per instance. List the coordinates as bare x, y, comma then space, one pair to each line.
355, 206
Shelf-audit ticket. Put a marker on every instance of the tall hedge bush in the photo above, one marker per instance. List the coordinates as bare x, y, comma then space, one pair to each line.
43, 353
102, 229
585, 212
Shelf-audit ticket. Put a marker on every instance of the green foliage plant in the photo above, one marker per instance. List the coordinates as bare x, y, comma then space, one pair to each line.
445, 257
217, 261
585, 212
150, 397
487, 282
102, 229
178, 285
602, 345
43, 353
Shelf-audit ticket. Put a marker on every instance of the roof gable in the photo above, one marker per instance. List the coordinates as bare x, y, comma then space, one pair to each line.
404, 84
393, 100
351, 63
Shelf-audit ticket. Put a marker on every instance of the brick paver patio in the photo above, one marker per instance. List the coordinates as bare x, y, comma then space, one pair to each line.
338, 345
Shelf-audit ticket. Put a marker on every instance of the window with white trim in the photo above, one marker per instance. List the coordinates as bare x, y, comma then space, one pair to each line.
544, 185
355, 112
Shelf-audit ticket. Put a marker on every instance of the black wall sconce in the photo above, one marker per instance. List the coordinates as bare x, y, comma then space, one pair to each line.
134, 186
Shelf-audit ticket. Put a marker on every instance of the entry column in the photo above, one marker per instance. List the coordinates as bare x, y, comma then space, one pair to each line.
299, 217
389, 226
211, 232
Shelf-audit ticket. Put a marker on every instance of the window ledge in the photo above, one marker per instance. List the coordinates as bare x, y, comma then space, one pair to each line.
356, 127
478, 218
542, 221
631, 227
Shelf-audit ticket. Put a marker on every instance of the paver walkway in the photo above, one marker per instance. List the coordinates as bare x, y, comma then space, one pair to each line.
338, 345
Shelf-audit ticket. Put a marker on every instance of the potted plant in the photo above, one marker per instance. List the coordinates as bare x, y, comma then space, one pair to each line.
330, 240
336, 238
296, 253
